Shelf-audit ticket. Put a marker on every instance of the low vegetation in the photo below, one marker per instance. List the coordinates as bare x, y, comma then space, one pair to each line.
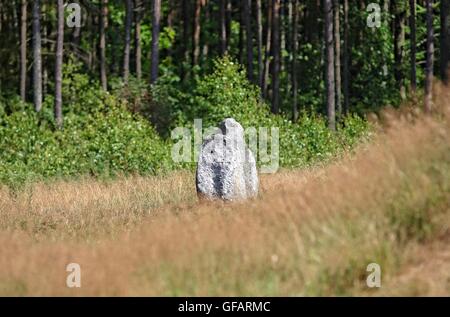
111, 134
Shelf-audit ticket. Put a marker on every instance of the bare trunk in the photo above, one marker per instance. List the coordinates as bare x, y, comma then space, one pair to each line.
329, 66
445, 39
76, 37
46, 46
259, 42
337, 58
127, 45
23, 50
241, 31
276, 57
196, 33
155, 39
346, 60
288, 45
137, 38
186, 29
228, 22
282, 23
172, 18
265, 83
58, 65
249, 38
205, 48
223, 27
412, 25
294, 60
91, 36
399, 38
430, 58
37, 59
102, 44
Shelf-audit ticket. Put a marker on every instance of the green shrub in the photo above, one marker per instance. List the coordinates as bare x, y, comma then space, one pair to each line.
307, 141
227, 93
100, 138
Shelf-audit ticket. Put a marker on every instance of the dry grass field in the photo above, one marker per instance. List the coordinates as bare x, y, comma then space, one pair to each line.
311, 232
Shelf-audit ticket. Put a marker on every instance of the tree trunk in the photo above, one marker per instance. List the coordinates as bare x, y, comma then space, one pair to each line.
58, 65
23, 50
288, 45
241, 31
46, 45
346, 60
223, 27
282, 26
412, 25
445, 39
92, 38
399, 38
137, 38
259, 42
249, 38
430, 57
196, 33
276, 57
312, 23
171, 19
329, 77
155, 40
294, 41
126, 51
229, 14
265, 85
37, 59
207, 14
185, 43
76, 37
102, 43
337, 58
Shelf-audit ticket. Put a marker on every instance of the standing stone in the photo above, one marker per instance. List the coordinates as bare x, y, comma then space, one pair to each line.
226, 168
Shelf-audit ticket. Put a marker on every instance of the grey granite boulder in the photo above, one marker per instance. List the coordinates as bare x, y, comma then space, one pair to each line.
226, 168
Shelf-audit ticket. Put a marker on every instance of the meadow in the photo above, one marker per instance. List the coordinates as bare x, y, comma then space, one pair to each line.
312, 231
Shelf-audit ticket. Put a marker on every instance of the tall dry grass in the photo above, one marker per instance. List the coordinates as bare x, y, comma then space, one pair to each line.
312, 232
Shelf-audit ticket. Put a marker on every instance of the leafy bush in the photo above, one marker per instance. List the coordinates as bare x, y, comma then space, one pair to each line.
100, 138
227, 93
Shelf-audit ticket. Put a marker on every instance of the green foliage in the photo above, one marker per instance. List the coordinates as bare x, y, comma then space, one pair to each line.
227, 93
110, 133
373, 83
100, 137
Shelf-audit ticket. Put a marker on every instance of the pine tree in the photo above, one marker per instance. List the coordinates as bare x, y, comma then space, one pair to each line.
430, 57
445, 39
329, 65
37, 58
412, 26
155, 39
102, 43
58, 64
126, 49
276, 65
23, 49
